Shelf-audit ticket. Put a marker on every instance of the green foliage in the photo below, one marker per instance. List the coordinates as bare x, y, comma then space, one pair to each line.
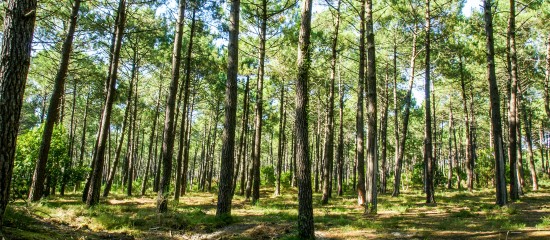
268, 175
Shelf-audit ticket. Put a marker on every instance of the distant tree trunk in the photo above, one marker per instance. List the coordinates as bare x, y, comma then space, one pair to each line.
529, 137
19, 21
213, 147
187, 145
317, 150
340, 149
519, 169
496, 127
282, 123
183, 130
395, 110
451, 155
118, 150
135, 131
37, 186
72, 132
360, 129
242, 137
94, 181
403, 140
547, 79
225, 193
384, 136
151, 154
329, 130
513, 113
371, 205
469, 154
84, 130
168, 139
305, 202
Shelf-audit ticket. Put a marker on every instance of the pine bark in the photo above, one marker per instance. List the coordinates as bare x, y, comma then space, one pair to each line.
305, 202
91, 194
19, 21
496, 126
225, 193
360, 129
151, 154
282, 122
37, 186
371, 205
168, 139
513, 113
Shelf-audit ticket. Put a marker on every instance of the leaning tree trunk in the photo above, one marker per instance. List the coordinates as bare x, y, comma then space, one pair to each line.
303, 171
372, 157
403, 140
228, 139
496, 127
37, 186
168, 139
329, 141
19, 20
94, 181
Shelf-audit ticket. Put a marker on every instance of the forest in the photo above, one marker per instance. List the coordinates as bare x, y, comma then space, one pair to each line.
268, 119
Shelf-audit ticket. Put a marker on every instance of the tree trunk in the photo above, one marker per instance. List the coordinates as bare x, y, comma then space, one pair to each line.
547, 80
19, 21
135, 131
371, 205
168, 139
513, 113
428, 157
329, 127
451, 155
94, 182
340, 149
384, 137
151, 154
401, 145
282, 123
496, 127
469, 154
360, 129
37, 186
305, 202
228, 139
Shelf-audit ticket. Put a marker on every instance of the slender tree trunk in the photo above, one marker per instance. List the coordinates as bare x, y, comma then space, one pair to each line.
282, 122
151, 154
384, 137
94, 182
37, 186
547, 79
529, 137
340, 149
451, 155
242, 137
225, 193
496, 127
168, 139
469, 155
428, 155
329, 130
403, 140
360, 129
135, 132
395, 111
305, 202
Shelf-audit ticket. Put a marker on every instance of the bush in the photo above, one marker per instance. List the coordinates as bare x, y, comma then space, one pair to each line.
268, 175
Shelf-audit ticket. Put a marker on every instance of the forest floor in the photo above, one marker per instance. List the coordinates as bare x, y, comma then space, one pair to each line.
457, 215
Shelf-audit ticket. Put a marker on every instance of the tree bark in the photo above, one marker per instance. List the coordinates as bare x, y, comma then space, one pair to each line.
151, 154
168, 139
282, 123
228, 139
371, 205
94, 182
513, 113
428, 157
360, 129
384, 137
305, 202
37, 186
19, 21
340, 149
496, 127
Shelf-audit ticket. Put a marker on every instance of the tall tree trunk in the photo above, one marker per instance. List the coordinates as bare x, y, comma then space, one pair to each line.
360, 129
547, 79
513, 113
305, 202
135, 131
228, 139
428, 155
151, 154
496, 127
168, 139
183, 130
527, 125
329, 129
371, 205
340, 149
384, 136
242, 137
395, 110
37, 186
282, 123
403, 140
127, 111
451, 155
469, 154
19, 21
94, 182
